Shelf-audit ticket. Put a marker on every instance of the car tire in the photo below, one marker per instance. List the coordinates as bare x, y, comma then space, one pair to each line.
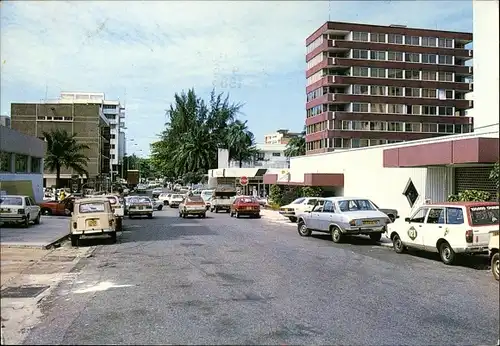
119, 224
216, 210
37, 220
446, 253
376, 236
113, 237
292, 219
26, 222
160, 207
130, 216
180, 214
303, 230
75, 240
230, 214
237, 215
165, 203
184, 216
46, 211
397, 244
495, 265
204, 215
258, 216
150, 216
336, 235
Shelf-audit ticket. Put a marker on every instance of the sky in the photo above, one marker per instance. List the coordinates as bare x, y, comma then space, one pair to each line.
142, 53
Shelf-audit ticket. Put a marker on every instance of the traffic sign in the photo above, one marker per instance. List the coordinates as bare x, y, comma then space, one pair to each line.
244, 181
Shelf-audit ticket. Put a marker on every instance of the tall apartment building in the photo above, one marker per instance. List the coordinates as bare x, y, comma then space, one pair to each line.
78, 113
370, 85
115, 113
281, 136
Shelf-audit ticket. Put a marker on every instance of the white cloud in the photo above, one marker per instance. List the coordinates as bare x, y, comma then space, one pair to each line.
153, 49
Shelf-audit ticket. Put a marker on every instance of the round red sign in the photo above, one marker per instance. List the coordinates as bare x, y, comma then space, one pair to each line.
243, 180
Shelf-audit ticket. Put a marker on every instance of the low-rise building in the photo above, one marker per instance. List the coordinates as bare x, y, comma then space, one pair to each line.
4, 120
269, 156
21, 164
281, 136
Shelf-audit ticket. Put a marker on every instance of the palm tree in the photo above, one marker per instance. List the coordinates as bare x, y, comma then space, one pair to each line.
241, 142
64, 151
296, 146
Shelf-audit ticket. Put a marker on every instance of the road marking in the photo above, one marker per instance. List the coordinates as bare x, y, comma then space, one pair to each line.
102, 286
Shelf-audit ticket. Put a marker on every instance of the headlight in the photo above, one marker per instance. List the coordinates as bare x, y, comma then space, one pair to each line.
355, 223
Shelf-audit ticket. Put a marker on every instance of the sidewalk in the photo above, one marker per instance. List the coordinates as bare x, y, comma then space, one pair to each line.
51, 230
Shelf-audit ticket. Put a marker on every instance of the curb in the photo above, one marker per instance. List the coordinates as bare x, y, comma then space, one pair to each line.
46, 246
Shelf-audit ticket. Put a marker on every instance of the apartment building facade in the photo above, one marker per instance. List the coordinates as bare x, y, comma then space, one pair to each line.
281, 136
80, 114
115, 113
372, 85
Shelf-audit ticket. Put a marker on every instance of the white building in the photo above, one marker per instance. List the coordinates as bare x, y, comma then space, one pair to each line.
406, 175
270, 156
115, 112
279, 137
5, 120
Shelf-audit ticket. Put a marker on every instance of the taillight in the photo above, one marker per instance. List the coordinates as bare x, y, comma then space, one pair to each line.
20, 211
469, 236
74, 225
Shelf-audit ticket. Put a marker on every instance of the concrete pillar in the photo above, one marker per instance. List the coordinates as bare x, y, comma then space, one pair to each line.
13, 163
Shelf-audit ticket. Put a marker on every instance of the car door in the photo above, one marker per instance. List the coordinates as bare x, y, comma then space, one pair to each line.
314, 216
433, 227
27, 207
35, 208
412, 231
326, 217
455, 228
308, 204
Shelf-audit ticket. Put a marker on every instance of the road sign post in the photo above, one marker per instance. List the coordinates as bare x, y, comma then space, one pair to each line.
244, 181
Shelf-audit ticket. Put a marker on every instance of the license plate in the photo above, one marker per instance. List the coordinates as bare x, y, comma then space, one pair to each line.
249, 208
92, 223
4, 211
140, 208
369, 222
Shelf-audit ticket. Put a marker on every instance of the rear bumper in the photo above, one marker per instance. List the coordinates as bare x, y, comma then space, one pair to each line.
194, 211
12, 217
92, 231
480, 249
140, 212
248, 212
287, 213
361, 230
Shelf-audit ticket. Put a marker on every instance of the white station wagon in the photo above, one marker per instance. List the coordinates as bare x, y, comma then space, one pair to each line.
299, 206
19, 209
448, 228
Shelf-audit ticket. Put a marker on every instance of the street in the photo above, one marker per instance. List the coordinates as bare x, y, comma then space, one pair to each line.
222, 280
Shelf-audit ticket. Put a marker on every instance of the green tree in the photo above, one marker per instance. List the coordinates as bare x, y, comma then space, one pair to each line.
296, 146
494, 174
241, 143
64, 151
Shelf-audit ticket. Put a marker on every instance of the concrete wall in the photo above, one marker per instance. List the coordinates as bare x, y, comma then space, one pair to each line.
13, 141
486, 61
23, 184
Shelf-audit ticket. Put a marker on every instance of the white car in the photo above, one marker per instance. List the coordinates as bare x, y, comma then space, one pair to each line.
175, 200
164, 197
157, 204
19, 209
448, 229
299, 206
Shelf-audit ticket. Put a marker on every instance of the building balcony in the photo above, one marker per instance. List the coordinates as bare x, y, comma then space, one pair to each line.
122, 114
398, 136
325, 116
414, 118
113, 111
407, 83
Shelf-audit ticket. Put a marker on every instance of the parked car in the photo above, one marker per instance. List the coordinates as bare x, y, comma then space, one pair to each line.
19, 209
156, 192
448, 228
164, 197
175, 200
61, 208
118, 208
245, 205
299, 206
493, 252
391, 213
157, 204
90, 217
192, 205
343, 216
140, 206
222, 199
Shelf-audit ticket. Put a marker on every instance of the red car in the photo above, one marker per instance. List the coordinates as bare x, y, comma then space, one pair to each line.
64, 207
245, 205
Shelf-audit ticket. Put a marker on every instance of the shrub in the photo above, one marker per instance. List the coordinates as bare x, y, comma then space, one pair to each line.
470, 196
276, 194
494, 174
308, 191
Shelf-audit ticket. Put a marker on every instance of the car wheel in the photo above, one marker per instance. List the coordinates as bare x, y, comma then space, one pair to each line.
336, 235
113, 237
446, 253
130, 216
216, 210
74, 240
26, 222
303, 230
37, 220
150, 216
237, 215
160, 207
46, 211
293, 219
230, 214
184, 215
495, 265
375, 236
397, 244
204, 215
165, 203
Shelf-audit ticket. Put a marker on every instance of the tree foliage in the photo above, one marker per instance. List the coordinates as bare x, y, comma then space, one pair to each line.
195, 131
494, 174
63, 151
296, 146
470, 196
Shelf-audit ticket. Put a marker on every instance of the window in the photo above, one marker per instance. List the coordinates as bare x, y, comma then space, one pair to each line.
112, 146
395, 126
429, 41
454, 216
377, 142
429, 58
429, 110
377, 55
378, 90
360, 36
377, 38
395, 73
346, 125
314, 94
436, 215
395, 91
346, 143
429, 128
446, 60
395, 38
378, 108
377, 72
429, 75
361, 125
378, 126
113, 136
5, 162
449, 94
360, 107
395, 56
445, 110
446, 76
360, 89
429, 93
412, 92
412, 57
445, 43
419, 216
276, 154
360, 71
396, 109
36, 165
411, 193
412, 74
112, 156
21, 163
413, 40
415, 109
359, 54
412, 127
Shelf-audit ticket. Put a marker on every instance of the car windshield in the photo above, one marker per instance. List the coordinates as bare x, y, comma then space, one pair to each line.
355, 205
135, 200
484, 215
195, 199
246, 200
11, 201
92, 207
177, 196
298, 201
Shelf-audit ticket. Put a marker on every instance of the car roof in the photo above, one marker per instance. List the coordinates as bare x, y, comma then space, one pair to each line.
341, 198
91, 199
464, 204
3, 196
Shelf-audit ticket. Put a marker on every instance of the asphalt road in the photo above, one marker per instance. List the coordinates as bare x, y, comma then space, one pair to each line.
222, 280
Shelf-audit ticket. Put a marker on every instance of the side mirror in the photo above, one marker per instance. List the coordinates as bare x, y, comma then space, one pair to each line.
407, 219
